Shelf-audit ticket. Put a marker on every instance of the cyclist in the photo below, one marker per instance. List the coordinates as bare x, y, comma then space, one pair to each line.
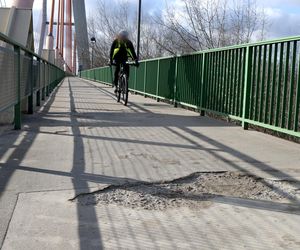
121, 49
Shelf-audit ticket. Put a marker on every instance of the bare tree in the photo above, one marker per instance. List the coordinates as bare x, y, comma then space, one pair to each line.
195, 25
205, 24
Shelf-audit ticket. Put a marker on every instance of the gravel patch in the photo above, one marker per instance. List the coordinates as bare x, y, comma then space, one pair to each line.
194, 191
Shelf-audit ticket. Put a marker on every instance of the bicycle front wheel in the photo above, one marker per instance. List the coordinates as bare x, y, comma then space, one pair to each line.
119, 90
125, 90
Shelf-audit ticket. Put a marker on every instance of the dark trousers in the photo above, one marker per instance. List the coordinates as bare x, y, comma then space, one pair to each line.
117, 71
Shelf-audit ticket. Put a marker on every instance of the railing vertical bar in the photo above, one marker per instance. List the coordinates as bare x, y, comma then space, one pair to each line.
30, 97
211, 80
270, 51
157, 79
175, 82
44, 81
274, 77
253, 84
47, 80
247, 80
218, 68
286, 79
232, 90
208, 82
223, 82
38, 93
203, 83
297, 100
135, 78
292, 85
242, 62
278, 95
219, 103
258, 84
262, 83
198, 79
225, 92
145, 78
215, 74
17, 118
185, 88
235, 82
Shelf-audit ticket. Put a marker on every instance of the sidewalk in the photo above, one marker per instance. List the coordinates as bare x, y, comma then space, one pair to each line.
83, 141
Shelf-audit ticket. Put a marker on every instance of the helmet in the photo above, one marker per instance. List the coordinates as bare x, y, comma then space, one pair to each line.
123, 34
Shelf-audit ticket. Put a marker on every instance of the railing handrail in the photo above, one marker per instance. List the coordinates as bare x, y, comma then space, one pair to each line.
245, 45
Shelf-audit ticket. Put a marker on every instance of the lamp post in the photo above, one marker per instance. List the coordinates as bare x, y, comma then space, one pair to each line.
93, 42
139, 28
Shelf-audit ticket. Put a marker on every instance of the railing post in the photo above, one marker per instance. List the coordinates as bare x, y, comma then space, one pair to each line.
38, 93
247, 81
157, 80
135, 79
56, 78
30, 97
44, 81
297, 102
175, 81
47, 78
145, 78
203, 80
17, 118
50, 79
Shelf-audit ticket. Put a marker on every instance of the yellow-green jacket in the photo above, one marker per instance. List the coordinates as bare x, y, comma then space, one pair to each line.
121, 50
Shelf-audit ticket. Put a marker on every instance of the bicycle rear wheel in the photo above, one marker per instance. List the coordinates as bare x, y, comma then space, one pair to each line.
125, 90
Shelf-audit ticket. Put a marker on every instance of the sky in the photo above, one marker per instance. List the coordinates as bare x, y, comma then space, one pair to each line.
283, 16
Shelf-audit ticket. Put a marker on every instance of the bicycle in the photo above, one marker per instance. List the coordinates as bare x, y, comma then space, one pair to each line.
122, 87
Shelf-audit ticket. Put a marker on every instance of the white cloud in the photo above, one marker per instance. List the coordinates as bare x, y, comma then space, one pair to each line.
284, 24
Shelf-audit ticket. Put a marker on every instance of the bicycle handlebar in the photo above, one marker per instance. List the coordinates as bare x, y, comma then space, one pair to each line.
132, 63
128, 63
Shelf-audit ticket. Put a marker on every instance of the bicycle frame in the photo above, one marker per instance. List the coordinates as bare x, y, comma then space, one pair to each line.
122, 87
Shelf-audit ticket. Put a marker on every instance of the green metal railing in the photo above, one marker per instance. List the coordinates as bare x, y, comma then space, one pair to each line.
257, 83
24, 74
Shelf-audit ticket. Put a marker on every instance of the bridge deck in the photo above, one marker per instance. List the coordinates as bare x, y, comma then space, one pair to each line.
83, 140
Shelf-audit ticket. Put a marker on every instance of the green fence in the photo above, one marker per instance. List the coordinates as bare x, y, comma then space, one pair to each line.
256, 83
24, 75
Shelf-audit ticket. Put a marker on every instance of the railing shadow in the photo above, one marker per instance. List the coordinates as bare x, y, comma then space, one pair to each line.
89, 236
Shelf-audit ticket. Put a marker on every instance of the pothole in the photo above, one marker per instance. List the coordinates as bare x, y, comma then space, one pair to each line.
194, 191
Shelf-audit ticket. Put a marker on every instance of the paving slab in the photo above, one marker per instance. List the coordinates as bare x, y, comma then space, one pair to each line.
53, 222
83, 139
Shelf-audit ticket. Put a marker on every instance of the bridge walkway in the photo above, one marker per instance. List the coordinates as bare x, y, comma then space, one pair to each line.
82, 140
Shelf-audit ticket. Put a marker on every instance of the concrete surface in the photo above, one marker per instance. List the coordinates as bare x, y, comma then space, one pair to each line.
52, 223
82, 140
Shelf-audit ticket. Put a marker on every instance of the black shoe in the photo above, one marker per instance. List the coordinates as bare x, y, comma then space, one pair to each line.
116, 90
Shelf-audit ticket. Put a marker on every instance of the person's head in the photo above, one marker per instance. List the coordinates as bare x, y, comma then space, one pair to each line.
123, 35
